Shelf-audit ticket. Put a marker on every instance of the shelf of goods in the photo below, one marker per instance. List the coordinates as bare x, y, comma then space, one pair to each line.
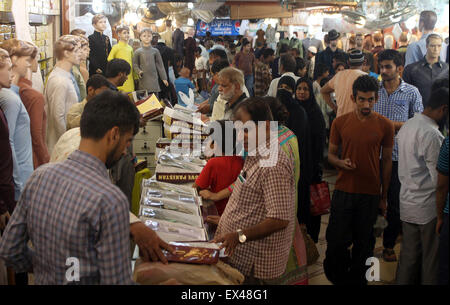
171, 207
144, 142
40, 13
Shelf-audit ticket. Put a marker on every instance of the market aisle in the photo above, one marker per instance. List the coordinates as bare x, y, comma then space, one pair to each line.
316, 273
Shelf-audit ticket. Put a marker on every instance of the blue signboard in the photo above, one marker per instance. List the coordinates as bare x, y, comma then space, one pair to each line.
219, 27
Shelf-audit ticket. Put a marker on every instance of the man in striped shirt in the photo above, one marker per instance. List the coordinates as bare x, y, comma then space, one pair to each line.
75, 218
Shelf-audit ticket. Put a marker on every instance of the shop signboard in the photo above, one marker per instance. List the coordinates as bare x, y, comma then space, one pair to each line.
219, 27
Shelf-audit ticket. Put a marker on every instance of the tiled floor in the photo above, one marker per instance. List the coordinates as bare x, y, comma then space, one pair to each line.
316, 273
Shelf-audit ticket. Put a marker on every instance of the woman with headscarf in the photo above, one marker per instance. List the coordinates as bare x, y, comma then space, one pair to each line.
304, 95
298, 122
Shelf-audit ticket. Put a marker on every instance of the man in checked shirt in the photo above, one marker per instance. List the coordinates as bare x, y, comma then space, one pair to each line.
70, 211
257, 225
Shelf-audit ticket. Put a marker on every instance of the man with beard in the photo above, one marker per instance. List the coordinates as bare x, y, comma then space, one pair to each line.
326, 56
419, 143
231, 84
71, 211
398, 101
363, 135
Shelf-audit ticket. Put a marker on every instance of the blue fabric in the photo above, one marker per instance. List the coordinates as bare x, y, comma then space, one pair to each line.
15, 89
249, 81
19, 138
400, 106
374, 75
183, 84
77, 89
442, 165
417, 50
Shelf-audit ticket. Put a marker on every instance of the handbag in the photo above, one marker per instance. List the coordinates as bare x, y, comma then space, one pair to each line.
312, 253
320, 198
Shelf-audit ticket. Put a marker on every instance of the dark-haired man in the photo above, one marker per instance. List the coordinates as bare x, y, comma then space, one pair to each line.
419, 143
342, 84
424, 72
288, 65
417, 50
398, 101
244, 61
326, 56
117, 71
95, 85
363, 136
263, 75
75, 217
201, 67
217, 54
260, 214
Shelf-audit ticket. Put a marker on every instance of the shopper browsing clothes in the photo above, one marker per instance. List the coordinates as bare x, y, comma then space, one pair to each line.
260, 214
83, 205
363, 136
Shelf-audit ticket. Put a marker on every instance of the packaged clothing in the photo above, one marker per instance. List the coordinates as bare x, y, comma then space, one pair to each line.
218, 174
171, 231
182, 85
171, 216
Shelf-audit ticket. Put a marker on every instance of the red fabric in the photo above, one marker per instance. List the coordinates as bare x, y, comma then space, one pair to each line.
34, 103
218, 174
320, 198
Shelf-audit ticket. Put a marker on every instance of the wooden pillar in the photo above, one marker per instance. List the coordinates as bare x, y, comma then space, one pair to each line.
65, 27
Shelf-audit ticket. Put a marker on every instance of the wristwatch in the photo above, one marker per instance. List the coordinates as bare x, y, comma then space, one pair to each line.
242, 237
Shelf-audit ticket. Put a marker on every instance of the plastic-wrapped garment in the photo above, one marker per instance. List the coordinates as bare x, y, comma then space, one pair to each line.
150, 273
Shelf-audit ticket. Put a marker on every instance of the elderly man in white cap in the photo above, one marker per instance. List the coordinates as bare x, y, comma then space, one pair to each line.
311, 56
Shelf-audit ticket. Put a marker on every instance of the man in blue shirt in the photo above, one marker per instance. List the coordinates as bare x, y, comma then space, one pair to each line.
182, 84
442, 195
417, 50
398, 101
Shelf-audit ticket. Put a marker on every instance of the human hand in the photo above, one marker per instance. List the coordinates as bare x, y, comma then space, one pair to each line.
166, 83
229, 241
213, 219
99, 71
4, 218
347, 164
149, 243
203, 108
207, 195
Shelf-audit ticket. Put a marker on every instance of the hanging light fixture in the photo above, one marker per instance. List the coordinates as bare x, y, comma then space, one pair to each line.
97, 6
